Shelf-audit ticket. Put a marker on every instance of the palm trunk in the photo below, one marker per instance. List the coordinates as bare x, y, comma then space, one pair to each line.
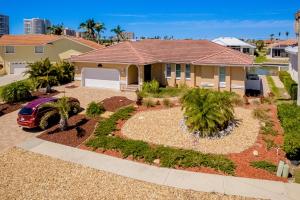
63, 124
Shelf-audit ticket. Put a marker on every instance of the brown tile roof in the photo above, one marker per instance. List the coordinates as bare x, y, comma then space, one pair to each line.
283, 43
167, 51
39, 39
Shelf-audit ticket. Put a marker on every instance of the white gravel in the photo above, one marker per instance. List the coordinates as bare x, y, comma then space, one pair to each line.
163, 127
27, 176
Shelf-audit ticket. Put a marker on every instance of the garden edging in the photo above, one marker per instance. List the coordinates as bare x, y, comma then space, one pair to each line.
163, 176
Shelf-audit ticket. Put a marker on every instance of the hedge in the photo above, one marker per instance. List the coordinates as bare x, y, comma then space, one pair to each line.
289, 115
290, 85
169, 156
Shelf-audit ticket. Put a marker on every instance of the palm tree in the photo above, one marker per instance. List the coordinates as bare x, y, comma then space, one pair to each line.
44, 73
89, 27
279, 34
119, 32
207, 111
272, 36
66, 72
99, 28
287, 34
61, 107
56, 29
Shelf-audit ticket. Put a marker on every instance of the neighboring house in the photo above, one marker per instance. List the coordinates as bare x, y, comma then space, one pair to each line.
277, 49
4, 25
196, 63
16, 51
235, 44
293, 65
36, 26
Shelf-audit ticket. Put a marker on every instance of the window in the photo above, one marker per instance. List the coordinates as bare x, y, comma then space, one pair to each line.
9, 49
178, 70
222, 76
168, 70
246, 50
188, 71
39, 49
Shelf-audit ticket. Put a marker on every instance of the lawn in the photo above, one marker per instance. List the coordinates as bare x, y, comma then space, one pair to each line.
278, 92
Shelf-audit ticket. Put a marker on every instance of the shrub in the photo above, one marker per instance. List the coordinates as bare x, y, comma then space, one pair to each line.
270, 167
207, 111
66, 72
289, 84
94, 109
148, 103
16, 92
269, 143
167, 103
260, 113
169, 157
268, 129
289, 115
151, 87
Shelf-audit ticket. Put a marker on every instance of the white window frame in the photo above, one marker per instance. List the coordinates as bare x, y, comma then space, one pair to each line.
176, 71
222, 84
188, 78
166, 66
10, 52
39, 52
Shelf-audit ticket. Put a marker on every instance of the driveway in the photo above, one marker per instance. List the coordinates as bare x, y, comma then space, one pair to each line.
7, 79
11, 134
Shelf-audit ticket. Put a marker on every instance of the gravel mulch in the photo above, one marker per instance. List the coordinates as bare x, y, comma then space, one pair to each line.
114, 103
26, 175
71, 137
163, 127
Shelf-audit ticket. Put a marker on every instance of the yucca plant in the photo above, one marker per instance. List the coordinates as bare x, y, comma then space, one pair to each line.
207, 111
61, 107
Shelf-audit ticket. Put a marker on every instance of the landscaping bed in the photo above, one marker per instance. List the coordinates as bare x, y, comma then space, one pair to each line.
70, 137
114, 103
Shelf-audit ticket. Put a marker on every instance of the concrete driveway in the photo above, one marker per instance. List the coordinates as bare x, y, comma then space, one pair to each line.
7, 79
11, 134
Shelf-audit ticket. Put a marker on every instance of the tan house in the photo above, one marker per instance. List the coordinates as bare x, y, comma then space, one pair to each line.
16, 51
196, 63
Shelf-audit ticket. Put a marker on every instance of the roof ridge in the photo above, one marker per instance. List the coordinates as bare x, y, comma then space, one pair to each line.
135, 52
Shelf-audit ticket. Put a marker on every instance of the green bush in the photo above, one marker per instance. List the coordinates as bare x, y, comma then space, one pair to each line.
94, 109
151, 87
16, 92
260, 113
268, 129
169, 157
270, 167
167, 103
207, 111
290, 85
148, 103
289, 115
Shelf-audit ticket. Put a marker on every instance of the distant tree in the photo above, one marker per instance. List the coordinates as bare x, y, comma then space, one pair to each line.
56, 29
287, 34
279, 34
89, 27
272, 36
260, 44
119, 32
99, 28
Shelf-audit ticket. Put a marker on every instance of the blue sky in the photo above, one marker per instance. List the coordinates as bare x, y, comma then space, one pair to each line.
180, 18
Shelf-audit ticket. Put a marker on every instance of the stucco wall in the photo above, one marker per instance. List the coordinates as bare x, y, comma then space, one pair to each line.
58, 50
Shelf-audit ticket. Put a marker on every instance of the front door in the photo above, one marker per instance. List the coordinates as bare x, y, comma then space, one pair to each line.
147, 73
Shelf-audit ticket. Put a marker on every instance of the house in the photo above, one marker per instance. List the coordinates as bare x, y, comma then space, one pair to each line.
235, 44
293, 64
277, 49
195, 63
16, 51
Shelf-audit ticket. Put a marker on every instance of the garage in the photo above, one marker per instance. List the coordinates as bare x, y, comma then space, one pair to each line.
101, 78
18, 67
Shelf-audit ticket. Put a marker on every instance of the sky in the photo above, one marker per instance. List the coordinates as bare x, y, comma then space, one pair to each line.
202, 19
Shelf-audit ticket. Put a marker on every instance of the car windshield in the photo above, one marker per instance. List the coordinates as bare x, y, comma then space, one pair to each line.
26, 111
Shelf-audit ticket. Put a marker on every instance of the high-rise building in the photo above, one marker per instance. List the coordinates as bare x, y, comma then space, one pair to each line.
4, 25
36, 26
69, 32
128, 35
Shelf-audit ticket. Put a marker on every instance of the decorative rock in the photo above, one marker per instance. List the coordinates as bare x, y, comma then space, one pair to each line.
156, 161
255, 153
141, 117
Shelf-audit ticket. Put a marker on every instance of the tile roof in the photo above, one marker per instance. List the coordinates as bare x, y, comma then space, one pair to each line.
283, 43
166, 51
40, 39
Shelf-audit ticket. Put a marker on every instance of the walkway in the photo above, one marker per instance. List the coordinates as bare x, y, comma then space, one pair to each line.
9, 78
168, 177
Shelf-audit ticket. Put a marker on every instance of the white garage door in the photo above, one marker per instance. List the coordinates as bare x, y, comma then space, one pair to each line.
101, 78
18, 68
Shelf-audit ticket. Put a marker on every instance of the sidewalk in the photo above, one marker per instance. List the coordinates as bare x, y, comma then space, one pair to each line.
169, 177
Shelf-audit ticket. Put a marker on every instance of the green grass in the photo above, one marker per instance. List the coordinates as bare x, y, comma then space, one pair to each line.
166, 92
260, 59
273, 87
169, 156
265, 165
